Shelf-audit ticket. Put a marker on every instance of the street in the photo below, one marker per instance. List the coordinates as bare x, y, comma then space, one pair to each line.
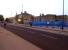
42, 39
10, 41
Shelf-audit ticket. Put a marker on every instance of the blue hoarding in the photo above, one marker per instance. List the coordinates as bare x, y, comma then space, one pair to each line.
50, 23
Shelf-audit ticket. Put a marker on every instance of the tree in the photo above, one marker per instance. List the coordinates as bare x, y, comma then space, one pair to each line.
1, 18
7, 20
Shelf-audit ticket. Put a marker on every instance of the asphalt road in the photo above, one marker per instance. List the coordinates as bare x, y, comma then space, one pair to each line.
44, 40
9, 41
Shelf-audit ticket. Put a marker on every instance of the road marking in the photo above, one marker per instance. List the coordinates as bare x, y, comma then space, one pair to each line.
49, 36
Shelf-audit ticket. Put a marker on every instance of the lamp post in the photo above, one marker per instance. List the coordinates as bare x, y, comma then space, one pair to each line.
63, 17
63, 7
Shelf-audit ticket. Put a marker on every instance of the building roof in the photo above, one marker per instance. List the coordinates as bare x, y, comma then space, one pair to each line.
24, 14
50, 15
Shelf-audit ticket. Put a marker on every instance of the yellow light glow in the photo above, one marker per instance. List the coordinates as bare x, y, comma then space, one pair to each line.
19, 20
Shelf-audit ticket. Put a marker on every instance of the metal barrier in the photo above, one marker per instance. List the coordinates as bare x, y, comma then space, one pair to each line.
50, 23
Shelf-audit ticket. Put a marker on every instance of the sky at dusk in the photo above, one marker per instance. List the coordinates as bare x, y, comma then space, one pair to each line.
8, 8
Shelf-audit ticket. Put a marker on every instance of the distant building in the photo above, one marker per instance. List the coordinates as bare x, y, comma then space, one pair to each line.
61, 17
25, 17
50, 17
66, 18
36, 18
12, 20
42, 17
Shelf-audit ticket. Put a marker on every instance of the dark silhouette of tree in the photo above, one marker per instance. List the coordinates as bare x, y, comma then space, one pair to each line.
1, 18
7, 20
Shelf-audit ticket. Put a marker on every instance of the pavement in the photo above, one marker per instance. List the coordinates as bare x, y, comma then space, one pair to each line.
51, 30
10, 41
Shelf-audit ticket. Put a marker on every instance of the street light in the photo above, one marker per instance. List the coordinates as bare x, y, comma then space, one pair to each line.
63, 16
19, 20
63, 10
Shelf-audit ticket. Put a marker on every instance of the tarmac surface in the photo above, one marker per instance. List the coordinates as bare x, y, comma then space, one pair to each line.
10, 41
44, 38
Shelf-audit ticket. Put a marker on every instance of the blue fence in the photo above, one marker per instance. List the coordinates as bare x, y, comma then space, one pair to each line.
50, 23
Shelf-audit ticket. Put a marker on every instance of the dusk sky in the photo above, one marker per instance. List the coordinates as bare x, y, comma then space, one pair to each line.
8, 8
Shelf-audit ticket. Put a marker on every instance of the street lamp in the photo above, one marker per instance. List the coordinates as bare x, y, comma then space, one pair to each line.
19, 20
63, 17
63, 10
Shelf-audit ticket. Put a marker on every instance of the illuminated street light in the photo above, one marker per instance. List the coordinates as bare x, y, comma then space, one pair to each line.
19, 20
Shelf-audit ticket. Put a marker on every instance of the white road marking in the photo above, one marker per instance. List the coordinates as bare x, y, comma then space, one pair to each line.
49, 36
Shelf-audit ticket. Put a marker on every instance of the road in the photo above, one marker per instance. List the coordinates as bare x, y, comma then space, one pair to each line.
9, 41
44, 40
